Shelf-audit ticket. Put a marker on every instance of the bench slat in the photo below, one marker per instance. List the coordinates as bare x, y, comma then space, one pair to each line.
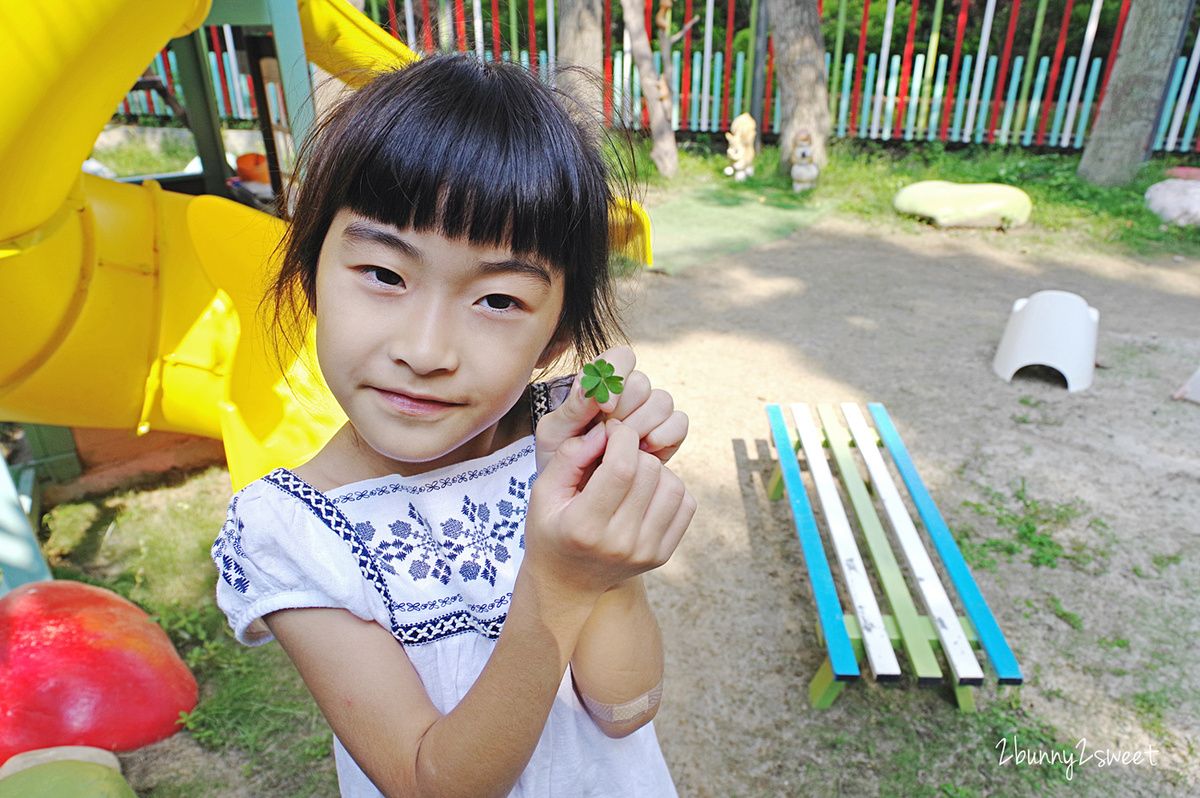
891, 579
829, 607
933, 595
992, 639
879, 649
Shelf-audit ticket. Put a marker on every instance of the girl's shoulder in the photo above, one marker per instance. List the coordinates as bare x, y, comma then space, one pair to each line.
547, 396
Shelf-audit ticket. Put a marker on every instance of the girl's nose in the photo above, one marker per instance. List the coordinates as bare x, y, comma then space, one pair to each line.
426, 340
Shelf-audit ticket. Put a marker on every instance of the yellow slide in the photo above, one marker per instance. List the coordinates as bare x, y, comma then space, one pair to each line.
131, 307
121, 304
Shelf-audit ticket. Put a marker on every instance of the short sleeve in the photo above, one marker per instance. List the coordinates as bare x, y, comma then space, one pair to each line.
547, 396
273, 553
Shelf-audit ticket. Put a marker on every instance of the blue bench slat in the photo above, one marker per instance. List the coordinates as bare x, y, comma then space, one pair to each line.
829, 606
990, 636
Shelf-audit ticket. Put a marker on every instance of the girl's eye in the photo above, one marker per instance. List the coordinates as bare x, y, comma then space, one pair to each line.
500, 302
385, 276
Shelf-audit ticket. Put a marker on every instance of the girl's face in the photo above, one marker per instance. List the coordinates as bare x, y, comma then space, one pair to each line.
427, 342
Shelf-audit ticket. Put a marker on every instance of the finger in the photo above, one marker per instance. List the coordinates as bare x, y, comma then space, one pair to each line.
568, 420
571, 464
677, 527
612, 479
665, 439
635, 392
652, 408
629, 521
669, 493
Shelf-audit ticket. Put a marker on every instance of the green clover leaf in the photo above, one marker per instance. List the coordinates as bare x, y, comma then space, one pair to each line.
598, 380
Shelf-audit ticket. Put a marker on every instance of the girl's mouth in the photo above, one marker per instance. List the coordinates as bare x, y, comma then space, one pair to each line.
414, 404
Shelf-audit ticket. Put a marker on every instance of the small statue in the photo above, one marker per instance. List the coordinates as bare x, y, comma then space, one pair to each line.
741, 137
804, 171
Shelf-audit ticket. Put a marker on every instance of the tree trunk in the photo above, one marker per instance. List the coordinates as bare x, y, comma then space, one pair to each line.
657, 92
1121, 139
800, 65
581, 44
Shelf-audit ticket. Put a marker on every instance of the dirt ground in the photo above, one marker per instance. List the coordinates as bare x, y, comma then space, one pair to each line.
839, 313
836, 312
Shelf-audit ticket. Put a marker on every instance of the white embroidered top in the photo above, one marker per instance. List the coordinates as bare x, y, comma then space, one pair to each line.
433, 558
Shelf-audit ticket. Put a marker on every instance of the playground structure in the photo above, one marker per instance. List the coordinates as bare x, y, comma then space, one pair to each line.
133, 307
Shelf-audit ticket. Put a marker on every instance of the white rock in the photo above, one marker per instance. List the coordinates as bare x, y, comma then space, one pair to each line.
1175, 200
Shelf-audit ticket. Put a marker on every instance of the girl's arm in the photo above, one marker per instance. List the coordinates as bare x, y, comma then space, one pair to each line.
617, 664
619, 658
579, 543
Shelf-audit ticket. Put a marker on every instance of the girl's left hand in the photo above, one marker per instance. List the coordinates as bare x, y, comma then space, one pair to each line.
649, 411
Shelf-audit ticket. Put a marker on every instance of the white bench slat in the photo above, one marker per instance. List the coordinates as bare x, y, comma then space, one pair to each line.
937, 602
876, 640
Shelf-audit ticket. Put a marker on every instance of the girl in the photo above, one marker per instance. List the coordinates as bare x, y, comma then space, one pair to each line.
449, 239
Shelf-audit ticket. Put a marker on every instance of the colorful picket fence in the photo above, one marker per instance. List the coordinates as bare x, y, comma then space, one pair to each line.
900, 84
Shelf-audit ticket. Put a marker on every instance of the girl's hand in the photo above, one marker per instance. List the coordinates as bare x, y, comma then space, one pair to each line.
651, 413
627, 519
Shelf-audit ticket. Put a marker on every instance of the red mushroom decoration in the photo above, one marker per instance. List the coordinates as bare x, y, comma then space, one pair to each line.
79, 665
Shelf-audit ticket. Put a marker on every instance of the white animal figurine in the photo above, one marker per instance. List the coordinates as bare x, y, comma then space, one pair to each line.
804, 171
741, 137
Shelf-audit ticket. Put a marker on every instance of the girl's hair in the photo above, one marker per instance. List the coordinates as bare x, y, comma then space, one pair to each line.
474, 150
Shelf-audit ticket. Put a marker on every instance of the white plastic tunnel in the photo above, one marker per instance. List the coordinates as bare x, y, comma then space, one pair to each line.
1056, 329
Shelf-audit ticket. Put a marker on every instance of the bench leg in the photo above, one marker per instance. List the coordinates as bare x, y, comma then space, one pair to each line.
965, 697
823, 688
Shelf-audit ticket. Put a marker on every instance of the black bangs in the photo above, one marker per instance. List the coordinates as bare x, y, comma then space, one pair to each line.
478, 151
483, 152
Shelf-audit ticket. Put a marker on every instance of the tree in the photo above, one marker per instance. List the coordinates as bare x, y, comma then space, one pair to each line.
800, 65
1120, 140
656, 89
581, 44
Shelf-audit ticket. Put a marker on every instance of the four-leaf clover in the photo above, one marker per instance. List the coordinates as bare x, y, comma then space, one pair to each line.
599, 381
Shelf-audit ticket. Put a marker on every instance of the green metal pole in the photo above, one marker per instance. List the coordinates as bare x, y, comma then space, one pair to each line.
935, 36
512, 31
835, 83
201, 102
750, 55
1023, 102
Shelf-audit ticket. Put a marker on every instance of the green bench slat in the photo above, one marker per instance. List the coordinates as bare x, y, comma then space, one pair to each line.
916, 644
941, 613
878, 646
992, 639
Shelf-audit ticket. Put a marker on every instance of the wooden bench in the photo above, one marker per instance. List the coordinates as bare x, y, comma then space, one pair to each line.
865, 632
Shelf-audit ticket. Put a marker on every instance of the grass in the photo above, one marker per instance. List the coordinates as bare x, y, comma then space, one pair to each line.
151, 546
1030, 524
862, 178
921, 753
129, 158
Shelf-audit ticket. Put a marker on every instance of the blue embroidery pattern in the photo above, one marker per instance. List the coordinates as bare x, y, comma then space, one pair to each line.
441, 484
471, 544
475, 541
230, 537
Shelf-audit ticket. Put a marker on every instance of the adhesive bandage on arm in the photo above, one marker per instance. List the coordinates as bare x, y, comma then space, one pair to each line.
622, 713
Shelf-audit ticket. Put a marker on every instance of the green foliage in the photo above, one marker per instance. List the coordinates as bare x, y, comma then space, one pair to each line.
1066, 616
152, 546
1150, 705
170, 154
918, 743
1031, 524
599, 380
862, 178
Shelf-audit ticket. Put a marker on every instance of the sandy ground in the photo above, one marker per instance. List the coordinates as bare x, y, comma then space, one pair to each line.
838, 313
835, 312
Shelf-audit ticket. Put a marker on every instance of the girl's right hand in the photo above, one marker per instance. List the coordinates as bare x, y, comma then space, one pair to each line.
589, 530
